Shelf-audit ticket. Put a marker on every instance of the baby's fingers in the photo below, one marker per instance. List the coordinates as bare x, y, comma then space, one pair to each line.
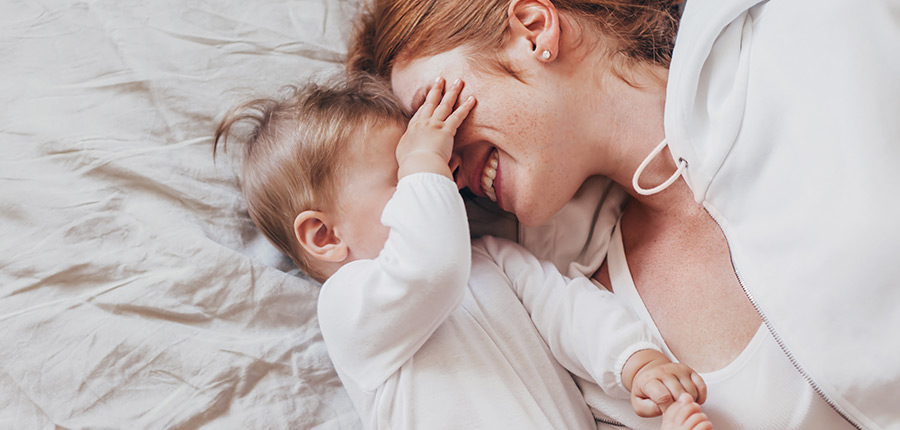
700, 385
655, 392
660, 392
644, 407
682, 379
431, 100
689, 387
448, 101
698, 421
459, 115
685, 414
682, 410
675, 388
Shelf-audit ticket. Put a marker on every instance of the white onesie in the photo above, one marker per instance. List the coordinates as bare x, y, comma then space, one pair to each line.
435, 333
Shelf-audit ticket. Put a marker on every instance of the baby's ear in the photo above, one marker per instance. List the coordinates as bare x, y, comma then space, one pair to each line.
316, 235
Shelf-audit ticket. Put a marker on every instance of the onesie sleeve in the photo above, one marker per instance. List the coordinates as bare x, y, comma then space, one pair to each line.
375, 314
589, 330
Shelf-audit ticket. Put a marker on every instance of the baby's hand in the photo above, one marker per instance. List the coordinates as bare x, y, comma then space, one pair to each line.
428, 142
659, 381
685, 414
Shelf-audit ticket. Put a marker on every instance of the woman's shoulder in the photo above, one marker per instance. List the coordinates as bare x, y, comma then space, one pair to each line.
576, 239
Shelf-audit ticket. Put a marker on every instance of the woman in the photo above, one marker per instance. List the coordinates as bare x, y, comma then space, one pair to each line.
759, 157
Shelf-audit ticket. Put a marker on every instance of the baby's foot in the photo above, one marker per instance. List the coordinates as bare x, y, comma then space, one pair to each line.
685, 415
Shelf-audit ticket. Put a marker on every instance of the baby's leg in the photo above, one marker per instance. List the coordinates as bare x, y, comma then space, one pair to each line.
685, 415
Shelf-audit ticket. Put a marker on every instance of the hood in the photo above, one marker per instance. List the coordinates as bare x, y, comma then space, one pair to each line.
708, 85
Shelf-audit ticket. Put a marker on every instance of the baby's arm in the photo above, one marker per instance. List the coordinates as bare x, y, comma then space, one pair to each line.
593, 335
375, 314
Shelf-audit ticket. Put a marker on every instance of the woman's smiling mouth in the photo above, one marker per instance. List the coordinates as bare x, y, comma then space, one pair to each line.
489, 174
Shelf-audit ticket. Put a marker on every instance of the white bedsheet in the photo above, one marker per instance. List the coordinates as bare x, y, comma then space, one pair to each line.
134, 290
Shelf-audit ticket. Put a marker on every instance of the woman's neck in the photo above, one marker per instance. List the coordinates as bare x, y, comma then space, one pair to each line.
617, 109
625, 123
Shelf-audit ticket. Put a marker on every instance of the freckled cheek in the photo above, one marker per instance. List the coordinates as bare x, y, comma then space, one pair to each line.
521, 140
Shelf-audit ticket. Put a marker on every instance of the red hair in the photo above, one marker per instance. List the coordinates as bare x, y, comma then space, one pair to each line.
392, 31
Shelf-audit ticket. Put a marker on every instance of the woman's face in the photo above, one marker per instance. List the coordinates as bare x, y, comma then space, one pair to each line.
526, 127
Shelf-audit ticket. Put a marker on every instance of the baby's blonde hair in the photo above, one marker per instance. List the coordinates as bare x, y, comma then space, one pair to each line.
294, 150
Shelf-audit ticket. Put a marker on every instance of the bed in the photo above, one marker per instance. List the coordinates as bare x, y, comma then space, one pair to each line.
134, 290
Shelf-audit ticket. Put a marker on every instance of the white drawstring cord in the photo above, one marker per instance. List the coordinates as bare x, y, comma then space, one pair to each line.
682, 164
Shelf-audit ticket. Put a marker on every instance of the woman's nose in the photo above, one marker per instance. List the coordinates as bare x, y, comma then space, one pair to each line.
455, 162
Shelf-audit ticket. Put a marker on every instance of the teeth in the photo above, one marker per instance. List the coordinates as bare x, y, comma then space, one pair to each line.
489, 174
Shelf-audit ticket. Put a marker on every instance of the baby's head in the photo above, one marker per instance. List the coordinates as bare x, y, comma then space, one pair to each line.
318, 169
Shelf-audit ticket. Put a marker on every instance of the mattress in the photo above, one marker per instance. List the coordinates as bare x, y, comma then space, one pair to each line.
134, 290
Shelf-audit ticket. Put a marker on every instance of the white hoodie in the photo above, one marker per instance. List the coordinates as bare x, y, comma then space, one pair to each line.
788, 115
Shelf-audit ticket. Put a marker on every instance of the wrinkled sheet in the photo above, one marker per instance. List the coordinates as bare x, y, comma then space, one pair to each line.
134, 290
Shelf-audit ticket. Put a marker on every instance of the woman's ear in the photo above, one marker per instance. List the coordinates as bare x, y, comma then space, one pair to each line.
537, 22
317, 236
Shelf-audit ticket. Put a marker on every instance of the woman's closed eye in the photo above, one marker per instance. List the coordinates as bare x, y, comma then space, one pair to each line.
418, 99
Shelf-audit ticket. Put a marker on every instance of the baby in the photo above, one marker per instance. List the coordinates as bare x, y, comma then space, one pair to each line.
427, 329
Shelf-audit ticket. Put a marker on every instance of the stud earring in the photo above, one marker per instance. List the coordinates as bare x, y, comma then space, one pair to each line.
545, 55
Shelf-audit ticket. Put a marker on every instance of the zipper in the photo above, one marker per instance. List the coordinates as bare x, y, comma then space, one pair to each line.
610, 422
777, 338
